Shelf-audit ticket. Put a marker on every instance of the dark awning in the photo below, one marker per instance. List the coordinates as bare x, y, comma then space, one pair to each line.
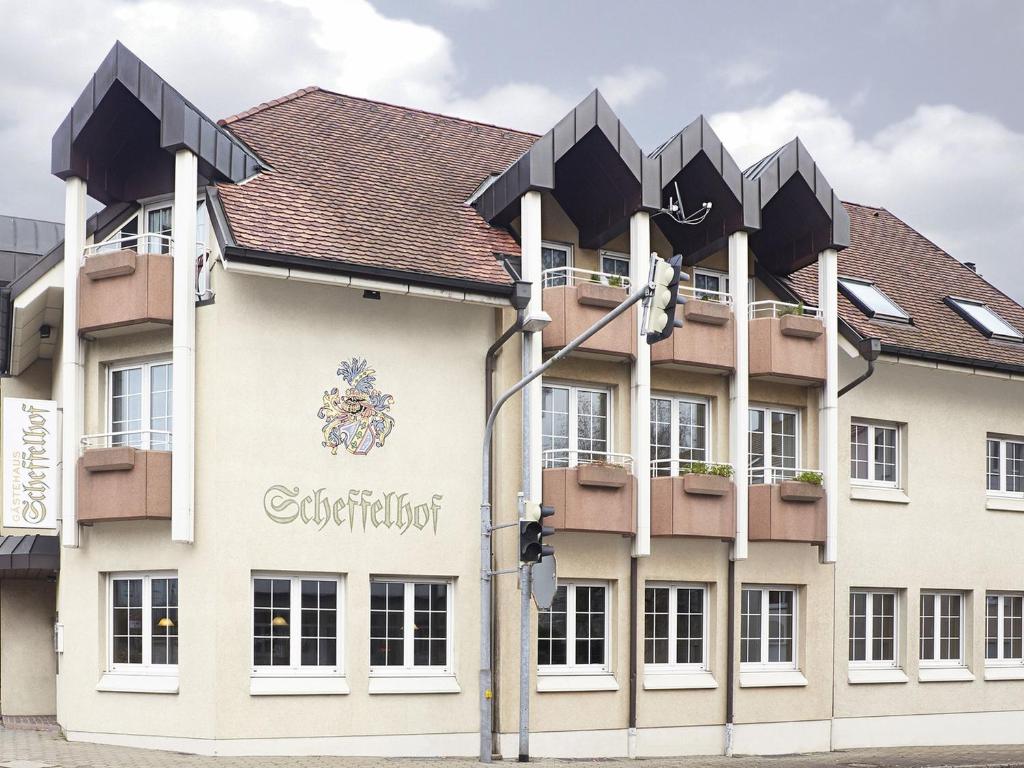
29, 556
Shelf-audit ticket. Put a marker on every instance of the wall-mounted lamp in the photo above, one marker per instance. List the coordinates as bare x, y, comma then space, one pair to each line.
375, 295
44, 331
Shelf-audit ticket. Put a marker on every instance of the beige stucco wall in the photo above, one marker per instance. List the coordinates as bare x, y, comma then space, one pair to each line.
27, 663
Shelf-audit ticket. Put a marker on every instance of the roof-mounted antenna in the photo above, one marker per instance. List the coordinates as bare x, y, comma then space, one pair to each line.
676, 212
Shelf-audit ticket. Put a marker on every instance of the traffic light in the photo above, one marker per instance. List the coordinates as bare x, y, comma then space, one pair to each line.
532, 532
661, 312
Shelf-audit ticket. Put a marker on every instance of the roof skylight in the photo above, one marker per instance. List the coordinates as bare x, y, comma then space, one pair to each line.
870, 300
984, 318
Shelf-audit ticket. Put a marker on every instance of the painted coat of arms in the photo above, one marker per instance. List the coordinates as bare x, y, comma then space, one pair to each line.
356, 419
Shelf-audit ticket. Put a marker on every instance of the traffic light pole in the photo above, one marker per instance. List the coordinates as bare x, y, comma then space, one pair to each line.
486, 527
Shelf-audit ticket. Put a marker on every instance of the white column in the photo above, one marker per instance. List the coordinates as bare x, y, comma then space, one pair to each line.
640, 387
530, 238
739, 387
71, 359
186, 181
828, 418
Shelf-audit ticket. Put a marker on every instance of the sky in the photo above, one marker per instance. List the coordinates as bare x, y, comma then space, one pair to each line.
912, 105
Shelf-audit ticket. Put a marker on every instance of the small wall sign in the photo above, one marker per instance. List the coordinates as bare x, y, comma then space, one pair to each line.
31, 484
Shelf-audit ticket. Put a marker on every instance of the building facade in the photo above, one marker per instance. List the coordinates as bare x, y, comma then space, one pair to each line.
789, 527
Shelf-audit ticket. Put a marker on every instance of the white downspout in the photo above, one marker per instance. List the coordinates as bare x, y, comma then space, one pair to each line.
186, 182
71, 359
530, 242
828, 427
640, 386
739, 387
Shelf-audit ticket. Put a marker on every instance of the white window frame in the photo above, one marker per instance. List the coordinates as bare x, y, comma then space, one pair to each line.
675, 400
1000, 660
868, 662
567, 249
673, 666
1001, 491
295, 668
772, 666
871, 479
570, 667
574, 434
410, 669
146, 667
145, 416
613, 256
798, 429
937, 630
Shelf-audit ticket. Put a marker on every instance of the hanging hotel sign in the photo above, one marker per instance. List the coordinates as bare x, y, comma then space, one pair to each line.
31, 487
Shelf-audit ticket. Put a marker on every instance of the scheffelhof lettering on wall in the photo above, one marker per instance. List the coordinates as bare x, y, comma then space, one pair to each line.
31, 488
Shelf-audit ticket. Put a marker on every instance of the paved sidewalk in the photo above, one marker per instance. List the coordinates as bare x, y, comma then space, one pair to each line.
41, 749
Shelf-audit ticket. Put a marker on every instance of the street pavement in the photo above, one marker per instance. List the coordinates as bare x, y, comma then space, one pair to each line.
48, 749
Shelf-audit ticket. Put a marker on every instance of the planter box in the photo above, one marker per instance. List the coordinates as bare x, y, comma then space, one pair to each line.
124, 484
587, 507
701, 343
676, 511
773, 518
798, 359
707, 312
805, 493
110, 264
124, 288
602, 475
706, 485
574, 308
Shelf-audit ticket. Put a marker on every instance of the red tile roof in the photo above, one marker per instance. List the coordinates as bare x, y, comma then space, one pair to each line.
917, 275
371, 186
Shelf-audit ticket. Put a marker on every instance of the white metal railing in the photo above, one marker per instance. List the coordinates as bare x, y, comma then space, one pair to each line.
759, 309
677, 467
204, 265
691, 293
562, 458
772, 475
146, 439
559, 276
145, 242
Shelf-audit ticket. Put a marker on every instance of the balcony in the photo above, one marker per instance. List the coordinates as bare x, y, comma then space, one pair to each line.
707, 340
784, 506
787, 342
576, 299
125, 476
590, 491
692, 499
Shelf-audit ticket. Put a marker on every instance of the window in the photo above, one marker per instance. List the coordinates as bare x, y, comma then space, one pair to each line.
675, 626
573, 634
985, 319
140, 405
777, 430
874, 453
679, 433
144, 622
872, 628
295, 624
410, 626
587, 411
768, 628
870, 300
615, 263
710, 280
1004, 466
942, 621
555, 257
1004, 629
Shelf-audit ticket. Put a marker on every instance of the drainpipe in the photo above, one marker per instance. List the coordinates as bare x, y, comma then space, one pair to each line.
633, 656
730, 658
869, 349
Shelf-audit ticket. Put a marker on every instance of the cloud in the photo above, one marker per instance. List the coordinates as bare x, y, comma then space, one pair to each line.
949, 173
624, 88
740, 73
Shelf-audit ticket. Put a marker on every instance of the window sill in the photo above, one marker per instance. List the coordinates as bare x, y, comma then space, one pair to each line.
570, 683
297, 685
872, 493
944, 675
122, 682
1016, 672
668, 681
414, 684
1004, 504
782, 678
875, 676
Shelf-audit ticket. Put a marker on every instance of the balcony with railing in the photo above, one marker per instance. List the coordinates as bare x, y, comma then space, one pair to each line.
692, 498
125, 476
576, 299
787, 342
786, 504
707, 340
590, 490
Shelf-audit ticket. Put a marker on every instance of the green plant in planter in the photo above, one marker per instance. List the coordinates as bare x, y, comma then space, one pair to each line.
706, 468
813, 478
595, 278
792, 309
615, 281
